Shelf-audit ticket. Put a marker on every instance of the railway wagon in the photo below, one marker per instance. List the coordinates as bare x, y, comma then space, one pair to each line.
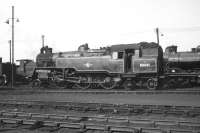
127, 65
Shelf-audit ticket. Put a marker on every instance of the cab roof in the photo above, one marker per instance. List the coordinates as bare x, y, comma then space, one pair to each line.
143, 45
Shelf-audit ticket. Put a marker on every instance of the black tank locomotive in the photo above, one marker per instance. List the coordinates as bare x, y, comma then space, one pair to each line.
127, 65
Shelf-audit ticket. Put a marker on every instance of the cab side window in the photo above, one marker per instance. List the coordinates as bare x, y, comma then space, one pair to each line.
118, 55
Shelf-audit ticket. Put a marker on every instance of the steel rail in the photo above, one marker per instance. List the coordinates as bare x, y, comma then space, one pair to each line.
71, 91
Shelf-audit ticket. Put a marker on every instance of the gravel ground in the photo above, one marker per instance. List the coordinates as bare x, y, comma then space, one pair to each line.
157, 99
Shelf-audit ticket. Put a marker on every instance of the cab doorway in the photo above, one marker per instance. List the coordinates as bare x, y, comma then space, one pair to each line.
129, 53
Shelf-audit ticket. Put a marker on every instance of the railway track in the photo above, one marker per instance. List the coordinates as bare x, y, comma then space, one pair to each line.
85, 124
103, 108
98, 117
57, 115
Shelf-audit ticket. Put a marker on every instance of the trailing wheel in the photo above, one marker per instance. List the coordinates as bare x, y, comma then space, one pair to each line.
108, 83
151, 84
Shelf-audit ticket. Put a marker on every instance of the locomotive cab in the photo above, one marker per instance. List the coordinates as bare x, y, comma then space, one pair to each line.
142, 64
139, 58
125, 52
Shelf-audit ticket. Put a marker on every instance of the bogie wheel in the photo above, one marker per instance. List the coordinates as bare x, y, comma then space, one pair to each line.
84, 83
151, 84
108, 83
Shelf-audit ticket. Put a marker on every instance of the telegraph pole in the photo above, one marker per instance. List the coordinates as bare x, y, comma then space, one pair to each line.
12, 59
157, 34
42, 41
10, 47
11, 69
13, 26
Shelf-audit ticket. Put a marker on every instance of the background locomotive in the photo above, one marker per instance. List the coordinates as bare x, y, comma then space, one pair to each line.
22, 73
182, 68
128, 65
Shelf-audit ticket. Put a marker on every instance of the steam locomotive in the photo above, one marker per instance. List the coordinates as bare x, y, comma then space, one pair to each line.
126, 65
182, 68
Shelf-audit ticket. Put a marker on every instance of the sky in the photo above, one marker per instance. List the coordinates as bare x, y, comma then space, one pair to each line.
67, 24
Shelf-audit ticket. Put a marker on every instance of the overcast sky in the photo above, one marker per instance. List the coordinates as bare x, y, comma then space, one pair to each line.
67, 24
